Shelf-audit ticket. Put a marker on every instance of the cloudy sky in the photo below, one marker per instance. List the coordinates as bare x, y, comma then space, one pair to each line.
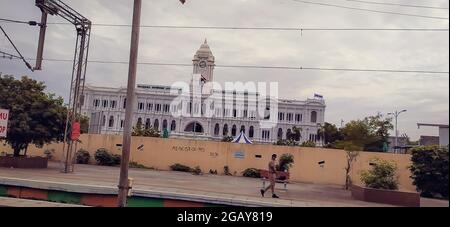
349, 95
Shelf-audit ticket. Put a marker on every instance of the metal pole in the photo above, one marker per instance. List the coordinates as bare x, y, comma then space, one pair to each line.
396, 132
123, 182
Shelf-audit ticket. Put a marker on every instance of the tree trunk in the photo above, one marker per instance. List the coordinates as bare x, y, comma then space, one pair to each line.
26, 149
16, 152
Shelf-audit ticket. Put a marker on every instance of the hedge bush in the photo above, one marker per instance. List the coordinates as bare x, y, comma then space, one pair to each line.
105, 158
381, 176
83, 157
180, 168
251, 172
429, 171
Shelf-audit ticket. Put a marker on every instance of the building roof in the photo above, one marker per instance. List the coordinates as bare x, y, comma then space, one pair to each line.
432, 125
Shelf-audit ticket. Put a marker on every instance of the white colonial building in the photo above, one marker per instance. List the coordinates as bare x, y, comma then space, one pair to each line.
211, 115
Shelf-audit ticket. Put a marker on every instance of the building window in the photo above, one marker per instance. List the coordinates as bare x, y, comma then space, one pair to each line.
216, 130
173, 126
105, 103
298, 118
233, 130
158, 107
266, 135
96, 103
313, 116
141, 106
243, 129
165, 124
251, 132
281, 116
121, 123
290, 117
149, 106
113, 104
234, 113
156, 124
139, 122
225, 130
125, 103
245, 113
104, 121
166, 108
280, 134
147, 123
289, 134
111, 122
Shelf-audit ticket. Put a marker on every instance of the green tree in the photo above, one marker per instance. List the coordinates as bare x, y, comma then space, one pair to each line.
35, 117
370, 134
330, 132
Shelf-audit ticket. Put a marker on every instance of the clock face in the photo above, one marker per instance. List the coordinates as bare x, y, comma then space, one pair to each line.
202, 64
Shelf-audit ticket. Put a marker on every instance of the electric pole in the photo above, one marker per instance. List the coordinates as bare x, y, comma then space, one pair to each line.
124, 186
396, 114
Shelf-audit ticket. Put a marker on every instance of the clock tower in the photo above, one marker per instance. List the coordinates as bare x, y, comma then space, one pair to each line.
203, 62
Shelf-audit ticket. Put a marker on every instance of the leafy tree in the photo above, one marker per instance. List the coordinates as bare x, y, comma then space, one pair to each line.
35, 117
370, 134
330, 132
429, 170
291, 143
308, 144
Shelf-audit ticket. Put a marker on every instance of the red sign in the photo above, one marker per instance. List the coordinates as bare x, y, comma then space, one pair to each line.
75, 131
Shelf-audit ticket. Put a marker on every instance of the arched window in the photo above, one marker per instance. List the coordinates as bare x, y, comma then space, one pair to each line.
243, 128
173, 126
225, 130
280, 134
139, 122
111, 122
216, 130
147, 123
289, 134
233, 130
125, 103
104, 121
156, 124
251, 132
313, 116
165, 124
194, 127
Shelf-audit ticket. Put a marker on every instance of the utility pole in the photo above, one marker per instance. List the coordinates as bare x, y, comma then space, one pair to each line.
396, 114
124, 186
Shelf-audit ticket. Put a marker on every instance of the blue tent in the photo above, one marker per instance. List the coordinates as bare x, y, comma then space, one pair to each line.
242, 138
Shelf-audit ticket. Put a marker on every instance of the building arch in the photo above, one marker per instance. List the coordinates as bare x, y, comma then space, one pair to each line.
194, 126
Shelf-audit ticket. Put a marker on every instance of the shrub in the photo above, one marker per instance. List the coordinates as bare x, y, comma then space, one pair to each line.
213, 172
104, 158
308, 144
381, 176
136, 165
82, 156
286, 162
226, 170
227, 139
429, 170
197, 170
180, 168
251, 172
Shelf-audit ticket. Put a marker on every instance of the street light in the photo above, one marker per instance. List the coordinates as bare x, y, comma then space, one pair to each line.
396, 114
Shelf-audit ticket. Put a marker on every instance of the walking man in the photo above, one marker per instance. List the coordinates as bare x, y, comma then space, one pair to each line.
272, 177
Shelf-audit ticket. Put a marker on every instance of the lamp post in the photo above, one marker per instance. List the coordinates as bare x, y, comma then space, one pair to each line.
396, 114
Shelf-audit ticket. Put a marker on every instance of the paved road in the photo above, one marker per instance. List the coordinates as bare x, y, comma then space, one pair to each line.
298, 194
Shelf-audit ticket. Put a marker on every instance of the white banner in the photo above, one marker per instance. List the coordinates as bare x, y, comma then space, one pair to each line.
4, 115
